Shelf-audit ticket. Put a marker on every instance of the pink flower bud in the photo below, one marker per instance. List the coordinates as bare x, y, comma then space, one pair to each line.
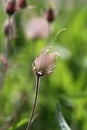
11, 7
21, 3
50, 15
9, 28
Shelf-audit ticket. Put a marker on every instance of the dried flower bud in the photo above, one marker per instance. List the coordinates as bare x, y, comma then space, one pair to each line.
9, 27
45, 63
21, 3
11, 7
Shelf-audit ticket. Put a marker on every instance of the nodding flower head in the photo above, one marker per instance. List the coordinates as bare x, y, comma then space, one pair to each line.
45, 63
11, 7
21, 3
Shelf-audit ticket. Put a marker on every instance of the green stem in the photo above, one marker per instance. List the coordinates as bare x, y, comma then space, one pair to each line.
34, 104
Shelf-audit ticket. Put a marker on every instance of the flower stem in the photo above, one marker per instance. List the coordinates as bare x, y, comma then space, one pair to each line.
4, 67
34, 103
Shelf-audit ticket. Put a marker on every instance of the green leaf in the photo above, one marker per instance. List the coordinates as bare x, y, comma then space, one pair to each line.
19, 124
22, 122
62, 123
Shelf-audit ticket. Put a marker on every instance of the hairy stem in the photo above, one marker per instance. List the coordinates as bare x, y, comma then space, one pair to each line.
34, 104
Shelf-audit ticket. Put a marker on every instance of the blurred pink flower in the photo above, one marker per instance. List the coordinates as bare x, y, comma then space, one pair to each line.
37, 28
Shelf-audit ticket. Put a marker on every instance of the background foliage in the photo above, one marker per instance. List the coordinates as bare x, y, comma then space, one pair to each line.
67, 85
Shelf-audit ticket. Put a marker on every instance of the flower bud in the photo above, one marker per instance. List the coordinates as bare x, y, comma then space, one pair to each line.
21, 3
3, 60
11, 7
45, 63
50, 15
9, 28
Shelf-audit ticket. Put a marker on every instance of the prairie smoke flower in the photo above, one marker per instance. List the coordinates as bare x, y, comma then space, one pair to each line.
37, 28
11, 7
45, 63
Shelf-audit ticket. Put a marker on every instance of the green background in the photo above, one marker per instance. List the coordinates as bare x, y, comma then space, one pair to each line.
67, 85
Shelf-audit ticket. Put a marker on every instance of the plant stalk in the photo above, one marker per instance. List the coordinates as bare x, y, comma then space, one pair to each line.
4, 67
34, 103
